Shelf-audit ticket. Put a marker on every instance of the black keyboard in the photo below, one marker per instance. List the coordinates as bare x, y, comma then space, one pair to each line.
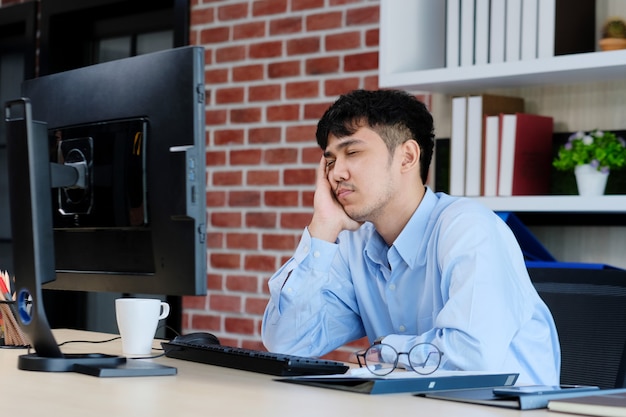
252, 360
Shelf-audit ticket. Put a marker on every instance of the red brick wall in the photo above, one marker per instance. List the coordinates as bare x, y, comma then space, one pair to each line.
272, 69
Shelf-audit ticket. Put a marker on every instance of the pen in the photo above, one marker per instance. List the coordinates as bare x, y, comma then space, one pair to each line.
3, 286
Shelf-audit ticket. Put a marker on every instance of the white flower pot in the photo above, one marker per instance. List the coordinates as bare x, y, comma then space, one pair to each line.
590, 181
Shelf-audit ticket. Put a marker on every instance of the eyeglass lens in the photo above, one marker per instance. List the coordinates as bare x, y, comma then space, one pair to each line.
382, 359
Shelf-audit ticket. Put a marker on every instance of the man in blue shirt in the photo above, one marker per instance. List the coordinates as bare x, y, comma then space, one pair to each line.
387, 258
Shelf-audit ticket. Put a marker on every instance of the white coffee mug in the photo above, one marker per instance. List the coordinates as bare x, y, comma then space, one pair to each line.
137, 321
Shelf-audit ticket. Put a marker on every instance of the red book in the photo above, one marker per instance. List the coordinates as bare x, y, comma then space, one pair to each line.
525, 154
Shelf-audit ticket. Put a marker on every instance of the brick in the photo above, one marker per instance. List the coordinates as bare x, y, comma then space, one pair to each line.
245, 115
228, 137
239, 325
315, 110
215, 240
370, 82
248, 73
244, 199
324, 21
232, 11
361, 62
295, 220
215, 76
225, 260
302, 89
280, 156
283, 69
242, 241
281, 198
270, 49
363, 15
202, 16
274, 241
285, 26
215, 117
342, 41
304, 133
265, 220
260, 263
209, 322
230, 54
268, 7
283, 112
372, 37
215, 35
299, 176
221, 302
302, 46
223, 178
298, 5
266, 92
229, 95
249, 30
258, 177
214, 282
311, 155
254, 305
197, 302
215, 158
242, 283
225, 219
215, 199
340, 86
264, 135
326, 65
307, 198
245, 157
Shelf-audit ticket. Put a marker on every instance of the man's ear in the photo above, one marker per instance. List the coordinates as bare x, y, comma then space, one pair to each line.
410, 155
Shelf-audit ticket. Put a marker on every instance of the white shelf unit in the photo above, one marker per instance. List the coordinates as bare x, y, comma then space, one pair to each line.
412, 57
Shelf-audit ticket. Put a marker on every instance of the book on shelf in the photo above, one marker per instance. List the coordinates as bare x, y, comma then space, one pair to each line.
574, 27
467, 33
497, 31
525, 154
528, 48
608, 404
453, 25
546, 17
479, 106
457, 146
481, 34
513, 29
492, 155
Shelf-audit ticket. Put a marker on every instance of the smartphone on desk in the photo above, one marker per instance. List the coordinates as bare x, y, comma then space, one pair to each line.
541, 389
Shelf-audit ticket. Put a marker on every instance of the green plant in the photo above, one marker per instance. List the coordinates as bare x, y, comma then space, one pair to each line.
614, 28
602, 150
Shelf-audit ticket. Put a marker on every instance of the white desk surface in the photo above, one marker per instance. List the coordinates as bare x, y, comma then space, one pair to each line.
199, 390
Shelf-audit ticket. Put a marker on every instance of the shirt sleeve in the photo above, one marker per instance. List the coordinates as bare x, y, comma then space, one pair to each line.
312, 306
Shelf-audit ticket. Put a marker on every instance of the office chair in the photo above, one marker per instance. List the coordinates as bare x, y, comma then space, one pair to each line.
589, 309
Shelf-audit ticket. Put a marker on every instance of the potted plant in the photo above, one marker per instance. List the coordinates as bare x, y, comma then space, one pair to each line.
613, 34
591, 156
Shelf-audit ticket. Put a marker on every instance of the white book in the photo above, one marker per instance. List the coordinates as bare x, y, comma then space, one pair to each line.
507, 154
453, 27
457, 146
467, 32
546, 24
513, 30
497, 33
529, 29
492, 155
481, 34
474, 146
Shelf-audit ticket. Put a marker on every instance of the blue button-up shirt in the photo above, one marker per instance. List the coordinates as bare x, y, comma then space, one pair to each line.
454, 277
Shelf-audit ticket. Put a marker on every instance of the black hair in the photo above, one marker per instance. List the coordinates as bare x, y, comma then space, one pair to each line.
395, 115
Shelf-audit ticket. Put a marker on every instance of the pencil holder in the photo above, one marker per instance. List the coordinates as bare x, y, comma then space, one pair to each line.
11, 331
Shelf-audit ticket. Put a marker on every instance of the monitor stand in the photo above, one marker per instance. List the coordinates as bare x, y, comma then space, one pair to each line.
33, 253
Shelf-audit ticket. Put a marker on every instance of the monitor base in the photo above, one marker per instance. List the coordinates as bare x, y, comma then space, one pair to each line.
66, 363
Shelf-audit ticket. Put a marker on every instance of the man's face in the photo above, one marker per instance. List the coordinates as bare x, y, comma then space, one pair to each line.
362, 174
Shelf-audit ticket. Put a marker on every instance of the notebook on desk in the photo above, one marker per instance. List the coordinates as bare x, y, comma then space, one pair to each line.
410, 382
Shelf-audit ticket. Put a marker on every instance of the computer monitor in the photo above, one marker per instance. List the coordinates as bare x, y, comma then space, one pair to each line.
118, 203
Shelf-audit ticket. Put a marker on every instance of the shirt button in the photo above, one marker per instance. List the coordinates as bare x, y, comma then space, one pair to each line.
402, 328
306, 249
392, 287
316, 254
